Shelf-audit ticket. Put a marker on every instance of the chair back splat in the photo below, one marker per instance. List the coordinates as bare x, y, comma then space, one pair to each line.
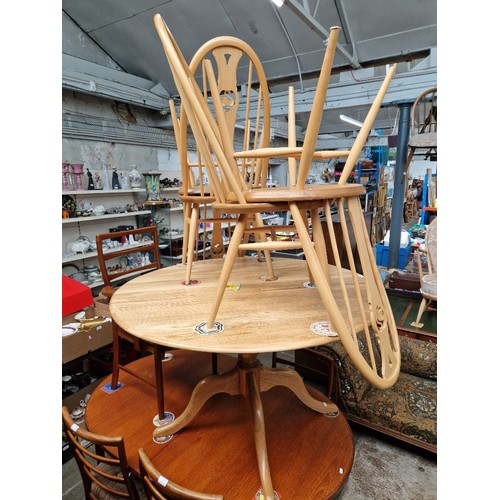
356, 304
103, 465
244, 94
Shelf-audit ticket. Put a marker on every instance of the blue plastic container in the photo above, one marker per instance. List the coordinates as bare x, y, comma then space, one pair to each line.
382, 255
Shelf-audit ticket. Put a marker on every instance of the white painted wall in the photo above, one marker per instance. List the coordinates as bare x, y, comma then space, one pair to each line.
97, 155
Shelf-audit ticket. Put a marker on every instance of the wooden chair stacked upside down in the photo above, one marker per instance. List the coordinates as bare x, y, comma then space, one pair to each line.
358, 306
241, 83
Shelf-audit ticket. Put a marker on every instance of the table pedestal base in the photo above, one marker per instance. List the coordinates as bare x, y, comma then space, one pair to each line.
248, 378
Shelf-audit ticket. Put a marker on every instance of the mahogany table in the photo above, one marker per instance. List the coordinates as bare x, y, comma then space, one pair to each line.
257, 315
310, 455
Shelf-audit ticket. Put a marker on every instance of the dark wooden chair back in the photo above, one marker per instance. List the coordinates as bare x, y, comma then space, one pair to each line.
159, 487
105, 472
423, 126
136, 251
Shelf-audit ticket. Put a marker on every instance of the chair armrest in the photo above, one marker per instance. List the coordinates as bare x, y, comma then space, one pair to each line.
418, 251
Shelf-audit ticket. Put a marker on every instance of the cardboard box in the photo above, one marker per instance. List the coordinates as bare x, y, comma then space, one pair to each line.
74, 400
75, 296
82, 342
101, 306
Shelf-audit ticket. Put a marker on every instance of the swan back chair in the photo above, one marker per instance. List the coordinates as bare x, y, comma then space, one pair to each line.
428, 281
242, 86
359, 305
105, 472
423, 125
159, 487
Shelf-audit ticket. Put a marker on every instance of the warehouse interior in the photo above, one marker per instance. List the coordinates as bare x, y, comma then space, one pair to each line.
111, 53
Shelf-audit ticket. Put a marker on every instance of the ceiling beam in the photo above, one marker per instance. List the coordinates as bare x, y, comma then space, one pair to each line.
332, 143
404, 86
318, 28
95, 79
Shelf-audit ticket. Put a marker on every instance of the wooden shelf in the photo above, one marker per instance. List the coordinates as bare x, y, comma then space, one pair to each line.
74, 220
88, 255
106, 192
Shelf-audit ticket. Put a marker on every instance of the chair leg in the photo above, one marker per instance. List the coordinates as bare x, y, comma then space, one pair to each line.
187, 215
116, 357
421, 309
313, 262
232, 253
407, 164
267, 254
160, 397
192, 242
304, 219
217, 243
319, 241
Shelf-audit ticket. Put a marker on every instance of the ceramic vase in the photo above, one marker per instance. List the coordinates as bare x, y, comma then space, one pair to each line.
153, 185
78, 172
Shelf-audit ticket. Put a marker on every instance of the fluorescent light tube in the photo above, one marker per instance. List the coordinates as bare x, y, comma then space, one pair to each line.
350, 120
278, 3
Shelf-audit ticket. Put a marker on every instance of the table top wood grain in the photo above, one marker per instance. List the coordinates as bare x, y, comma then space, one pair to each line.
258, 315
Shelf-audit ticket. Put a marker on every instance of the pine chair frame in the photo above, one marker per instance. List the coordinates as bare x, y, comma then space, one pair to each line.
232, 57
367, 301
429, 301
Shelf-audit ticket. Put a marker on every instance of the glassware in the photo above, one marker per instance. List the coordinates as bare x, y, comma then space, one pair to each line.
135, 178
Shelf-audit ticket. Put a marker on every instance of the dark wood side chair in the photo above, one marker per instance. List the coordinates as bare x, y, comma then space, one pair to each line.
159, 487
103, 464
138, 252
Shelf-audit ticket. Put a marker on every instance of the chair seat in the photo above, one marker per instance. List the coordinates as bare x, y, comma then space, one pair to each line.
311, 192
428, 285
196, 198
102, 494
427, 140
194, 191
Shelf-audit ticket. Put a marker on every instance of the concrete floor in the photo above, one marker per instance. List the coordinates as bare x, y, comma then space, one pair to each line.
383, 469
